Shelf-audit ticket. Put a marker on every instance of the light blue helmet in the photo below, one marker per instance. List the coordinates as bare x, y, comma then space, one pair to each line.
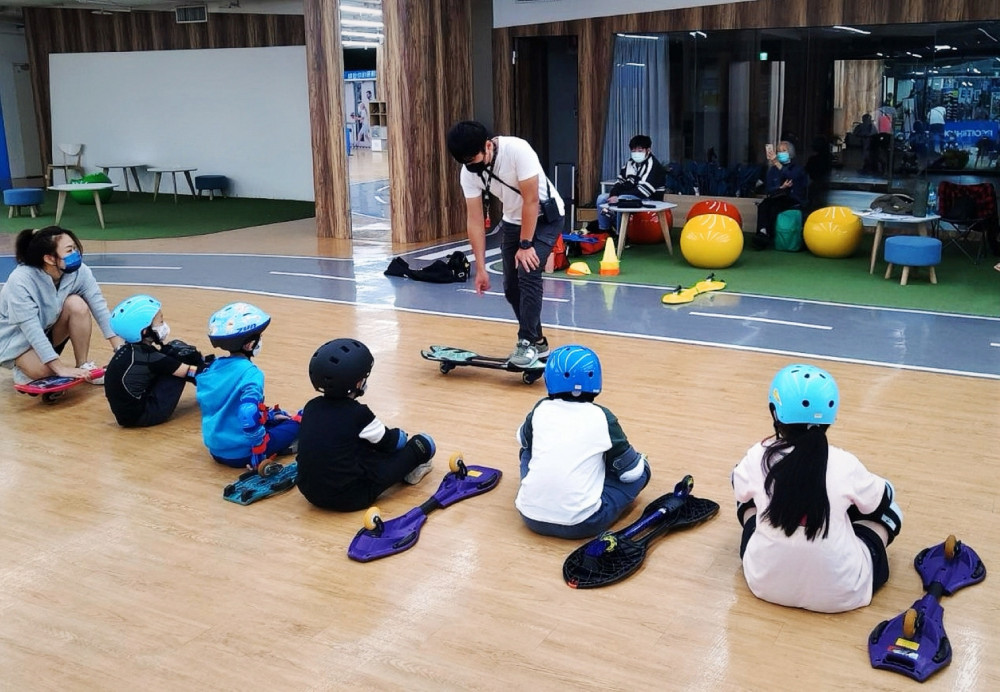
574, 370
131, 316
804, 394
236, 324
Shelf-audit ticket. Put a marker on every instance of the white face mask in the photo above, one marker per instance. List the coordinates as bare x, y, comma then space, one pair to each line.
256, 349
638, 156
162, 331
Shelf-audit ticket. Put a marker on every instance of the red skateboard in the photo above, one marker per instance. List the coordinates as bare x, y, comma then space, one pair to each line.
52, 388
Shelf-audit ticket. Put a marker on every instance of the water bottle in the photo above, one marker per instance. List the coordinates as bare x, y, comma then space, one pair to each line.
932, 201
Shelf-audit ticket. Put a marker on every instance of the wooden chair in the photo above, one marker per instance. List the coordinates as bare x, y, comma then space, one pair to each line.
72, 154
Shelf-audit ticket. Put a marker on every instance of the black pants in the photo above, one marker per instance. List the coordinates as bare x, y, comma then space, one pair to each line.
160, 401
384, 471
767, 217
522, 288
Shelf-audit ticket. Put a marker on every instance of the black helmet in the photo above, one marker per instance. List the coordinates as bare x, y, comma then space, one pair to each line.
337, 367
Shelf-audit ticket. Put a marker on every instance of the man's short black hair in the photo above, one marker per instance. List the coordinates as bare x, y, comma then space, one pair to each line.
640, 142
466, 139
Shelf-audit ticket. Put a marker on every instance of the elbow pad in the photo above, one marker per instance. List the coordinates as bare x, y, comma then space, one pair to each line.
249, 414
627, 466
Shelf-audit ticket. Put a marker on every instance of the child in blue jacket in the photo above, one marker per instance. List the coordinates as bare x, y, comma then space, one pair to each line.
236, 425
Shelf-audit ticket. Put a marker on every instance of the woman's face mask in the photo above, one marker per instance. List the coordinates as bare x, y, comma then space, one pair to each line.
72, 261
784, 157
639, 156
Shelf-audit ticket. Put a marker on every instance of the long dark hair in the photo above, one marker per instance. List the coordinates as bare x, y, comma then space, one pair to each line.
795, 480
32, 245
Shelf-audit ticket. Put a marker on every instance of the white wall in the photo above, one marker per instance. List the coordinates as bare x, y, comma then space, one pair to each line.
515, 13
240, 112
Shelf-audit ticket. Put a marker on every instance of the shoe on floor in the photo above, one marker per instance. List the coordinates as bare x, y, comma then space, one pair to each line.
91, 365
20, 376
418, 473
524, 355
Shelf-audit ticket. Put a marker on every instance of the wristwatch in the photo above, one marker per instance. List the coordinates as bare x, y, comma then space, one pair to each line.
527, 244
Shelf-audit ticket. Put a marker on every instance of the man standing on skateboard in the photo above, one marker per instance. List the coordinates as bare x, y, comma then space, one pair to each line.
532, 222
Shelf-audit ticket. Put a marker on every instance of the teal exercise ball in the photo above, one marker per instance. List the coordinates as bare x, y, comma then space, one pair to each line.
87, 196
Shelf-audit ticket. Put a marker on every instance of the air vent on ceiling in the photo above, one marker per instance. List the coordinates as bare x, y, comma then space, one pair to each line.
191, 14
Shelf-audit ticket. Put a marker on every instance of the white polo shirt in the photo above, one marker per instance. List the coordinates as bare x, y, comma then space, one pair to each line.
827, 575
513, 161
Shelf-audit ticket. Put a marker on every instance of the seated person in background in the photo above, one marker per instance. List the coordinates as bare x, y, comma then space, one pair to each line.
819, 167
787, 186
642, 177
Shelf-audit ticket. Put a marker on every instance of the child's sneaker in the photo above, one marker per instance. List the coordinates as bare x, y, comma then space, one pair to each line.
418, 473
525, 353
91, 365
20, 376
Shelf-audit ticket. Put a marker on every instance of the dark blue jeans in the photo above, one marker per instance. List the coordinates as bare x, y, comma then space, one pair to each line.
523, 289
281, 436
615, 499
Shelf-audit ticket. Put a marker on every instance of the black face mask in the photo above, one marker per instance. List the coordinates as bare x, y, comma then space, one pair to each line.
476, 168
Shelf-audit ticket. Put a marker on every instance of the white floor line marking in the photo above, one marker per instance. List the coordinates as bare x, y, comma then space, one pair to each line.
995, 344
128, 266
315, 276
497, 293
762, 319
463, 248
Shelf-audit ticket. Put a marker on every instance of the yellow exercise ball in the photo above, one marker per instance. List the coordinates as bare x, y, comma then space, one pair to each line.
711, 241
833, 232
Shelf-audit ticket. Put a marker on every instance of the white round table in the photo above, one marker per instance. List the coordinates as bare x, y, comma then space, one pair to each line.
95, 188
126, 167
647, 205
881, 219
173, 171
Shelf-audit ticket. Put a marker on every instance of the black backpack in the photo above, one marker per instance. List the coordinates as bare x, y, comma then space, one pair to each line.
455, 268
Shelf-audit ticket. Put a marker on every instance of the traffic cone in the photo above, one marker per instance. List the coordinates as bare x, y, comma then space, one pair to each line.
609, 264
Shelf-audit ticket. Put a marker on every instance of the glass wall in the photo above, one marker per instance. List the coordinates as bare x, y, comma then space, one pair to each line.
880, 107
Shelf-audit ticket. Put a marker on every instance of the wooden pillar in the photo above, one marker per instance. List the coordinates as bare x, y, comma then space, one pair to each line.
325, 69
427, 88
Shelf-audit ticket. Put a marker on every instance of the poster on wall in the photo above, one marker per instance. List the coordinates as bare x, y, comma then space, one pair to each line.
359, 91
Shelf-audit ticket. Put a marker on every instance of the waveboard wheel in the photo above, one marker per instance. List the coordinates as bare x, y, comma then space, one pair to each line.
373, 517
530, 377
269, 468
229, 490
910, 623
446, 368
51, 397
950, 545
456, 464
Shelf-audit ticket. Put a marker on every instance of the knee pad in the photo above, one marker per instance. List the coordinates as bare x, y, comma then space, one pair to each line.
888, 513
424, 444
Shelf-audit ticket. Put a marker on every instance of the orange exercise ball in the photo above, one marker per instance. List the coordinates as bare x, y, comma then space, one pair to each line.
711, 241
715, 206
833, 232
644, 227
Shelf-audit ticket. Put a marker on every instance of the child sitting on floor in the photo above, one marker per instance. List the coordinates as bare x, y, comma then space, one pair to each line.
824, 519
237, 426
347, 457
578, 471
145, 378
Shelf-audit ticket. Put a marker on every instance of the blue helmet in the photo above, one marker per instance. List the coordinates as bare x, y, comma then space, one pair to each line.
804, 394
574, 370
131, 317
236, 324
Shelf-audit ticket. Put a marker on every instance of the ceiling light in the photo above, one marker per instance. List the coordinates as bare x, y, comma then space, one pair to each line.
645, 38
361, 34
359, 44
361, 22
852, 30
697, 34
370, 11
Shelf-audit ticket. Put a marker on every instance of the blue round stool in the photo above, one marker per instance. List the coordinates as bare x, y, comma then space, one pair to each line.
211, 183
912, 251
18, 197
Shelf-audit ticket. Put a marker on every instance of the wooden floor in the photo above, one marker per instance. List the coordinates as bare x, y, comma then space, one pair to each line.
122, 566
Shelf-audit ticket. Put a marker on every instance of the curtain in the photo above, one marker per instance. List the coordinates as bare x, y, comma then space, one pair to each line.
639, 100
857, 89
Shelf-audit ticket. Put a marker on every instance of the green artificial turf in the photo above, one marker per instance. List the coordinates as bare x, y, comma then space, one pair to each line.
963, 287
137, 216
